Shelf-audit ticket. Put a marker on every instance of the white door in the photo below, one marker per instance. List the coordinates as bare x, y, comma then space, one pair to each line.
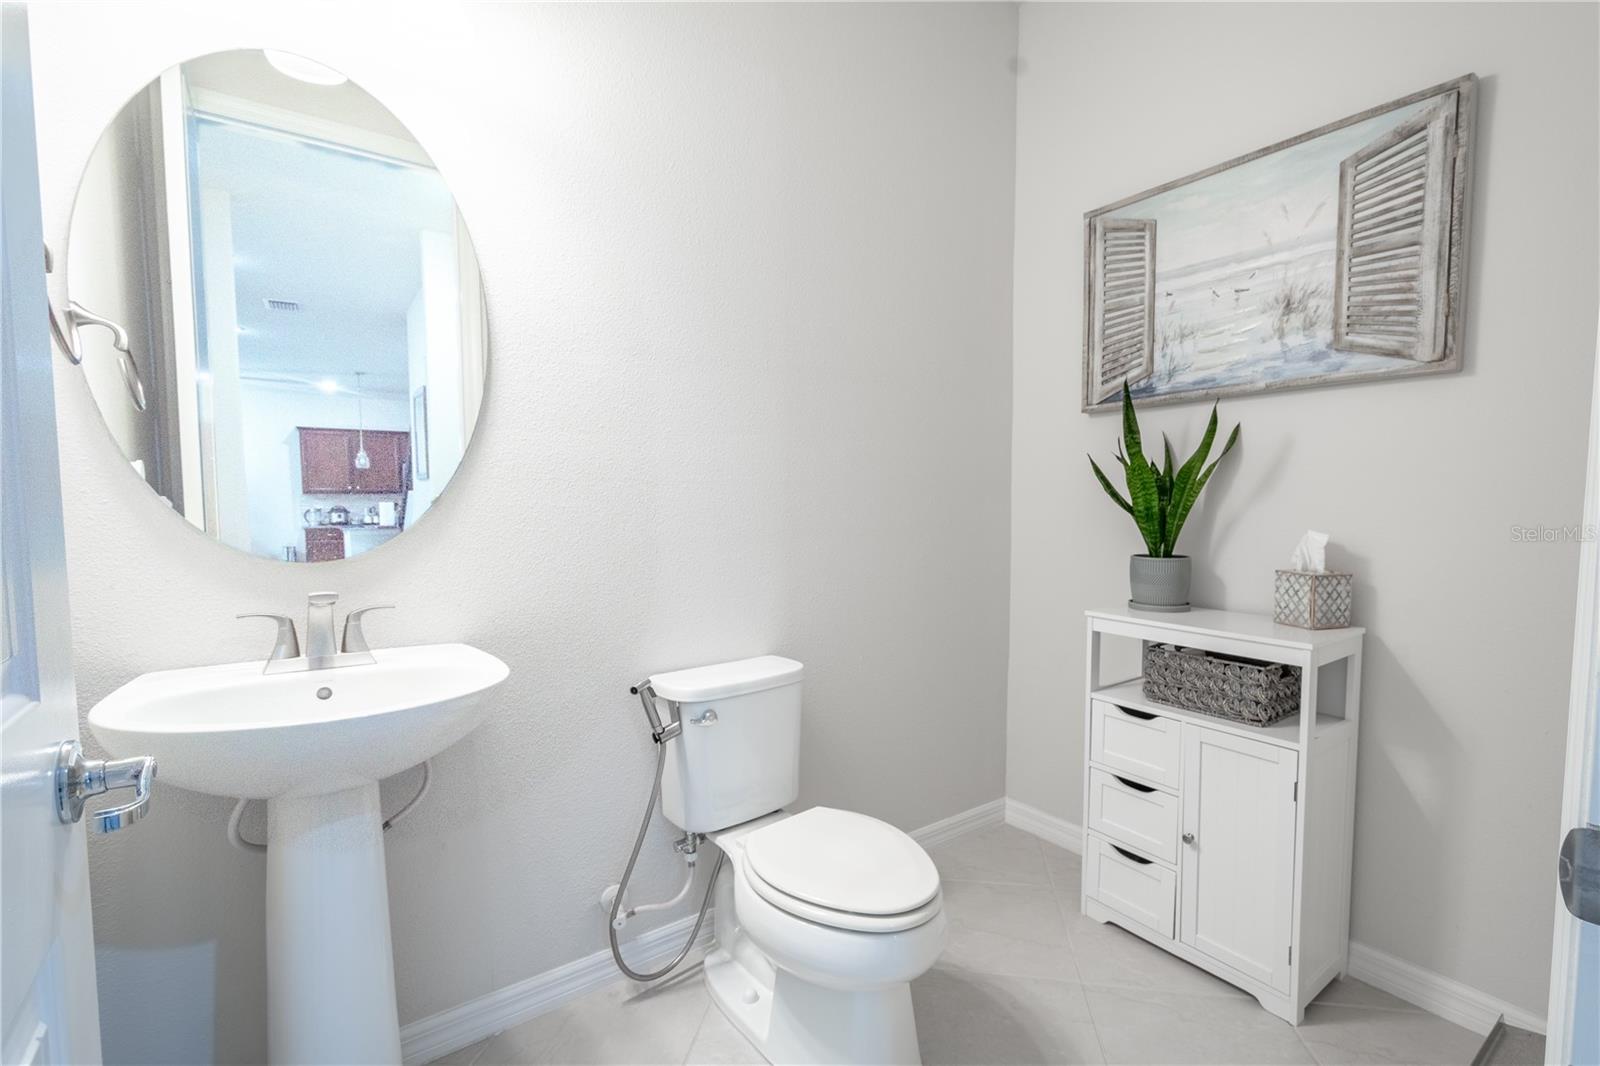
1238, 852
1573, 1029
47, 987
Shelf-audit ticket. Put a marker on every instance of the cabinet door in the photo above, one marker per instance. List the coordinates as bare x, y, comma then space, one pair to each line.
399, 459
326, 460
324, 545
387, 450
1238, 856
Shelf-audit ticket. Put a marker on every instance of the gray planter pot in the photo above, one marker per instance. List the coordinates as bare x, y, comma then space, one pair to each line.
1159, 584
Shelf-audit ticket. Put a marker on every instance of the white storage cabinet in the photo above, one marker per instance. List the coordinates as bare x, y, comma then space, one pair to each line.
1226, 844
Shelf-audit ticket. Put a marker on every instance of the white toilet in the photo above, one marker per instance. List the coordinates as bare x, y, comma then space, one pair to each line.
823, 918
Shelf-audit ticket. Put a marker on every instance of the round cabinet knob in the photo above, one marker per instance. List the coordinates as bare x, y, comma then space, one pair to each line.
1188, 838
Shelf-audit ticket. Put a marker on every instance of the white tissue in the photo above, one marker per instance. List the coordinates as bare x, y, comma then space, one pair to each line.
1311, 553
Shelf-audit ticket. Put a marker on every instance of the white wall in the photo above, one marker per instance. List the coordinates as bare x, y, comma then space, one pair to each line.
1419, 482
437, 361
748, 272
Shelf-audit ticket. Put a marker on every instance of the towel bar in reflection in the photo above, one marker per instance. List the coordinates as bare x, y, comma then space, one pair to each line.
64, 328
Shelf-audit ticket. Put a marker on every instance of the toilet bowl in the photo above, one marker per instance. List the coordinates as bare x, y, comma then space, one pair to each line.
823, 917
823, 920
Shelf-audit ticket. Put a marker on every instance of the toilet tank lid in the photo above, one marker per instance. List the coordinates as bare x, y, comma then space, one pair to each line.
718, 682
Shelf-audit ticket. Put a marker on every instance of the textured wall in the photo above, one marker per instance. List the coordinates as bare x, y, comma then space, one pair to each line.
1420, 482
749, 280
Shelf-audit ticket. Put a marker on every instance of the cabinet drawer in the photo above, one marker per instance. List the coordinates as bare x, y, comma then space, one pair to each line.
1140, 744
1135, 887
1134, 814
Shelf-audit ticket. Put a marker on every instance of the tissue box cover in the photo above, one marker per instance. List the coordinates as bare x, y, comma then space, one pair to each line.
1312, 600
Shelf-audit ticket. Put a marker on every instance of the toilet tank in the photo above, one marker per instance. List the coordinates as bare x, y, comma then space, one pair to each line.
738, 755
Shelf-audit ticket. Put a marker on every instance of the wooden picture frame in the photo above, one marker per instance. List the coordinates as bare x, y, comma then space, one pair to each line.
1363, 278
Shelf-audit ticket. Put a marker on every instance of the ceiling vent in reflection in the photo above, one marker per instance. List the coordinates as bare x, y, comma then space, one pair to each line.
281, 305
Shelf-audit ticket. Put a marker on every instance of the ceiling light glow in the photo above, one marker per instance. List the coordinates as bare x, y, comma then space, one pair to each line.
302, 69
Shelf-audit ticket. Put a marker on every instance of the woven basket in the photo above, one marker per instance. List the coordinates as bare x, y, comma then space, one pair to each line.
1240, 690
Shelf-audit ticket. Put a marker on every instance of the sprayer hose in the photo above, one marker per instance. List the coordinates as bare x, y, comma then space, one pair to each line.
616, 904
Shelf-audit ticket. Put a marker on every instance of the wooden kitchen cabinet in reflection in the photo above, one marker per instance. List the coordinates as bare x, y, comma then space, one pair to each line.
324, 544
328, 461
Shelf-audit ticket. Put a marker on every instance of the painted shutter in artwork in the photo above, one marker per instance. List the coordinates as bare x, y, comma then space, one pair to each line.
1123, 329
1394, 240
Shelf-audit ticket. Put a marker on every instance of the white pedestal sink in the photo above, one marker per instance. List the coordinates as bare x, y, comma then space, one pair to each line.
314, 745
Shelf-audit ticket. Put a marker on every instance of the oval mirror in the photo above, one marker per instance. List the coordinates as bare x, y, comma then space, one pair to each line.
277, 306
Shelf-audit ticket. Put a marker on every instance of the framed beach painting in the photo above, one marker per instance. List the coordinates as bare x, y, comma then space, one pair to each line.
1335, 256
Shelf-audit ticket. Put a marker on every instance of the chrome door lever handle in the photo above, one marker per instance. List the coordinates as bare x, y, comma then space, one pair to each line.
78, 778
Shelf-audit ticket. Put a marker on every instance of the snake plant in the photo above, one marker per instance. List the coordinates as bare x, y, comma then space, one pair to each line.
1159, 498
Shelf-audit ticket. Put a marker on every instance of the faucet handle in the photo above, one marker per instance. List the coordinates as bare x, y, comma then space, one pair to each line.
287, 645
354, 639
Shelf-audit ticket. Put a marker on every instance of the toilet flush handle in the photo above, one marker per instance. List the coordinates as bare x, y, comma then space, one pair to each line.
709, 718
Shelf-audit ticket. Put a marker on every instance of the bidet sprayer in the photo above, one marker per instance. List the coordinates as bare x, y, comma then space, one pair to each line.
688, 846
658, 732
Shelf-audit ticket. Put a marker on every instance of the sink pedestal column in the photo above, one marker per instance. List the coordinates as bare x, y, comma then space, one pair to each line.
330, 965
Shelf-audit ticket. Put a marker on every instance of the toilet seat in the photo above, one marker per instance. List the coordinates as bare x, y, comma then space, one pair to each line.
844, 920
843, 870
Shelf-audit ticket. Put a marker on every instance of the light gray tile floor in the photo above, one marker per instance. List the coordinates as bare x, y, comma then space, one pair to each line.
1516, 1047
1024, 978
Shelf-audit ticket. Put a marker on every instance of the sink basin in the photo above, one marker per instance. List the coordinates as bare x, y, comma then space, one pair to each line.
233, 731
313, 744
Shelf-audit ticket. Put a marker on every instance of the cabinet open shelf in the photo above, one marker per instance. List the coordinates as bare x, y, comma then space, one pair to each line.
1285, 731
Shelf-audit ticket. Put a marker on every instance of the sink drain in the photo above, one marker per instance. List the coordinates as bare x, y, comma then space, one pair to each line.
324, 692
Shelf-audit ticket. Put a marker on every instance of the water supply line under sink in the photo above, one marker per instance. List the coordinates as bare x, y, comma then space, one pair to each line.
236, 838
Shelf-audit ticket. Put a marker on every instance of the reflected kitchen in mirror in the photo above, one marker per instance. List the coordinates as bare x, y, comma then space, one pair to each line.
302, 301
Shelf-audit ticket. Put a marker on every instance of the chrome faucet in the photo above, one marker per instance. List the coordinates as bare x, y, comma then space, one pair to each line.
324, 649
322, 641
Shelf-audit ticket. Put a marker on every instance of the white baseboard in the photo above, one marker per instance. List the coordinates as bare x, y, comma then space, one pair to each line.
1057, 831
450, 1030
439, 1034
947, 829
1436, 993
